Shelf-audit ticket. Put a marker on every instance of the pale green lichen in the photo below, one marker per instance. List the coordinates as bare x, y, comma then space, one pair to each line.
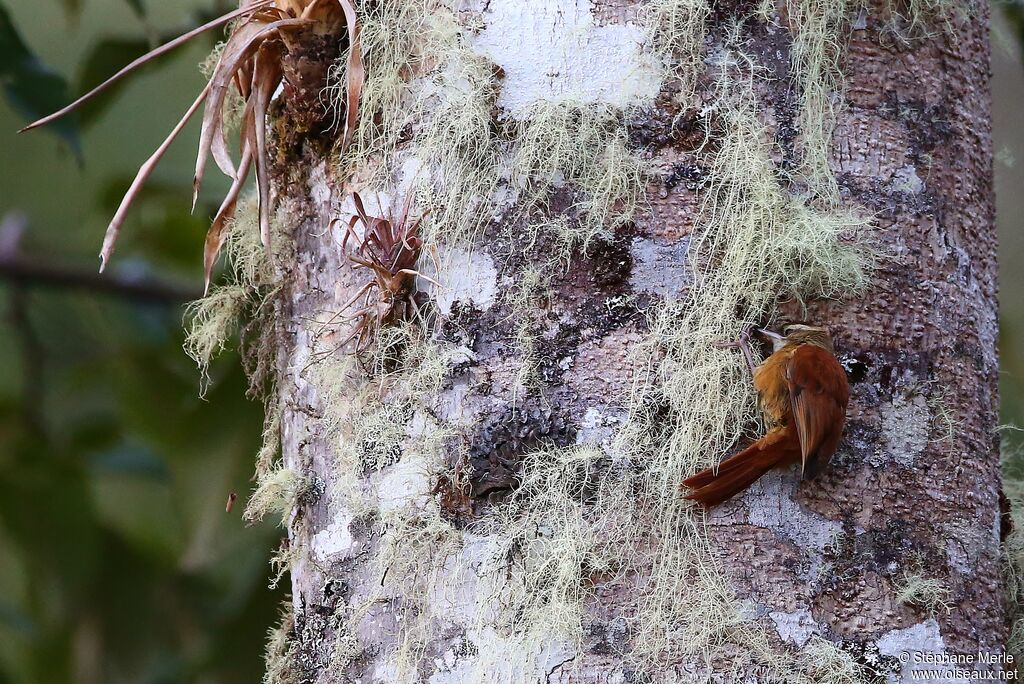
247, 290
584, 148
281, 652
820, 31
821, 662
276, 493
378, 406
456, 144
550, 550
211, 322
270, 443
575, 519
521, 298
401, 43
678, 29
281, 562
416, 573
347, 649
946, 425
755, 243
927, 593
426, 78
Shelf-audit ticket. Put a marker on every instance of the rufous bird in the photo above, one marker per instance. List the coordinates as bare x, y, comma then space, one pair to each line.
803, 393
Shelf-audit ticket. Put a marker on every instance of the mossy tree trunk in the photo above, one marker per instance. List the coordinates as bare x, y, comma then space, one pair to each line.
450, 517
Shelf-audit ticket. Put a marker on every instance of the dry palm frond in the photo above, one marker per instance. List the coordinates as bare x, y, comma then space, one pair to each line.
252, 62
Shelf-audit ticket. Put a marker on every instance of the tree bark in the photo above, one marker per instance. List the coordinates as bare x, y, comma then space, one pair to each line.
911, 497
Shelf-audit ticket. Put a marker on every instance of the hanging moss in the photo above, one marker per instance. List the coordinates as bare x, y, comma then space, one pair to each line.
247, 288
926, 593
577, 516
282, 650
820, 31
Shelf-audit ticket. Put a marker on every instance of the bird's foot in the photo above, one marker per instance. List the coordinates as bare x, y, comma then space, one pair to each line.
743, 344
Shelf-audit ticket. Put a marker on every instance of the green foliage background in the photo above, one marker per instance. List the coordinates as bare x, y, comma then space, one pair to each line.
118, 562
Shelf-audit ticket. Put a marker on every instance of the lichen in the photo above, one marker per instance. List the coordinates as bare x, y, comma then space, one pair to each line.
281, 651
277, 492
211, 322
416, 572
945, 423
521, 299
582, 146
755, 243
551, 548
580, 515
821, 662
678, 29
281, 562
820, 31
401, 43
927, 593
247, 290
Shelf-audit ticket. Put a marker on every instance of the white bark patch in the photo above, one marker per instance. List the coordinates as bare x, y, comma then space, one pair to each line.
468, 278
406, 483
319, 186
906, 180
659, 268
967, 542
553, 50
796, 627
903, 644
905, 425
770, 504
335, 540
597, 428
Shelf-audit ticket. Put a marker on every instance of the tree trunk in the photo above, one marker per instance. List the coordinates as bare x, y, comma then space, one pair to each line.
491, 494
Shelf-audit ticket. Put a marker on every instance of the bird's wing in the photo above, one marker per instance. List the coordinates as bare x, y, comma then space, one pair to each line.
819, 394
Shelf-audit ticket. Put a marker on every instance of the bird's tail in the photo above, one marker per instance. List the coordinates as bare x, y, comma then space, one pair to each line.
714, 485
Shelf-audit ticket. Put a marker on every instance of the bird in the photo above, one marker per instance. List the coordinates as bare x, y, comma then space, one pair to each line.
803, 393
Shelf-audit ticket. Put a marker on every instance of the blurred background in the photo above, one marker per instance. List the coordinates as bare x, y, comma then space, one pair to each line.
118, 562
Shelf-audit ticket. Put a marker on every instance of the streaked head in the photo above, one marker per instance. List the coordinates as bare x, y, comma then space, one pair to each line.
799, 333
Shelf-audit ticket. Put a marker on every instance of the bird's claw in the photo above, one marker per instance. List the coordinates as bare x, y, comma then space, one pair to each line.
743, 344
739, 342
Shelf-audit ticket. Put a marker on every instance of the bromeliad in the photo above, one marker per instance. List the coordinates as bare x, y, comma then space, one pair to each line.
251, 61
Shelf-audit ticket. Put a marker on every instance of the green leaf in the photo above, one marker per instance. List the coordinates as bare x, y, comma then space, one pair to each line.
31, 87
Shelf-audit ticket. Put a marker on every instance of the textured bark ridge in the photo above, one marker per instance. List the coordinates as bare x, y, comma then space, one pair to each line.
493, 497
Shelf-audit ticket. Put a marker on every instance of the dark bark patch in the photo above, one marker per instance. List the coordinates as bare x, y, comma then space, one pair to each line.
497, 449
611, 262
929, 125
886, 552
690, 176
299, 115
856, 369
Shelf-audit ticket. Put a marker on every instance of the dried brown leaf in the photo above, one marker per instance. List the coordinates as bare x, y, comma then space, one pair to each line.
114, 229
215, 235
149, 56
355, 73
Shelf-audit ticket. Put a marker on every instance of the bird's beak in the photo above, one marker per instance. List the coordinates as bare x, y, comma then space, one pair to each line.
778, 341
